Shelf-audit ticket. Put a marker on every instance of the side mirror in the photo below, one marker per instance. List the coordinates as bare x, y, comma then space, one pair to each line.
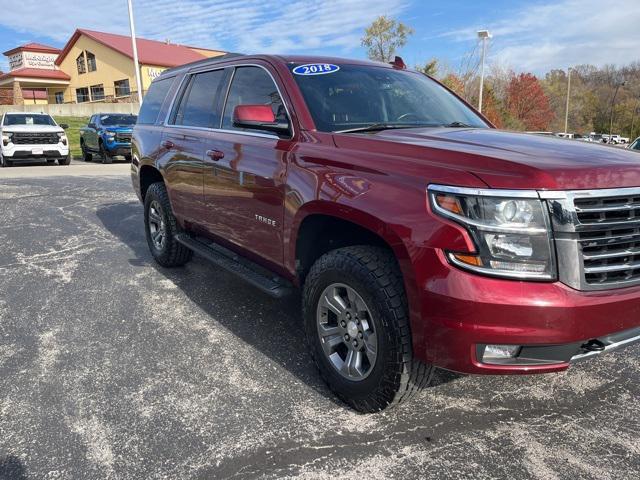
64, 126
258, 117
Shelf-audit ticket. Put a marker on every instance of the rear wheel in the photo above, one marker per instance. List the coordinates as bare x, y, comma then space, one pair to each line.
357, 325
161, 228
106, 157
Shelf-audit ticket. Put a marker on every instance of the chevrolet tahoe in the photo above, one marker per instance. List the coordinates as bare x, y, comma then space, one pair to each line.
419, 235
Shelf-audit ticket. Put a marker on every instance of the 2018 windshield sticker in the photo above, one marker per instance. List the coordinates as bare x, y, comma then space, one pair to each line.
316, 69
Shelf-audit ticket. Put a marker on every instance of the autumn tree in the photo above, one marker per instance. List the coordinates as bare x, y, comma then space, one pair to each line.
453, 82
384, 37
527, 103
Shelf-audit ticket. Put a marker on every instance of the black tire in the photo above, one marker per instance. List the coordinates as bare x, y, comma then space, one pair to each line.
86, 156
65, 161
170, 253
4, 162
374, 274
106, 158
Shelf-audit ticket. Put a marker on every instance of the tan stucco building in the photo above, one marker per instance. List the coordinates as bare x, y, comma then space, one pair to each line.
91, 67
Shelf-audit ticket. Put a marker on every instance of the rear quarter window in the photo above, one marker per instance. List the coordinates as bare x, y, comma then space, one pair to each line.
153, 100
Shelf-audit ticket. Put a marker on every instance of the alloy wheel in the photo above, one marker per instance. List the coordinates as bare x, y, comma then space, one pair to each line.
347, 332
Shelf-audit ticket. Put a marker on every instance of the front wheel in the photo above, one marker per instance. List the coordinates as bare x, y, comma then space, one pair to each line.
86, 156
65, 161
161, 228
106, 157
357, 326
4, 162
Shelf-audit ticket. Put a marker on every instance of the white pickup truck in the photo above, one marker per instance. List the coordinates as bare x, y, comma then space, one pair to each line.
32, 136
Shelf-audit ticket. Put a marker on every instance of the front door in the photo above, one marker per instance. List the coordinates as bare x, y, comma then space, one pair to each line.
245, 171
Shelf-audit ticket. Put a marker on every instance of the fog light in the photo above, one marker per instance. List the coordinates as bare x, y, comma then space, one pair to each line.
499, 353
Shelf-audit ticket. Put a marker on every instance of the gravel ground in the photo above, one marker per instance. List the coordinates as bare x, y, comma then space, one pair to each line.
112, 367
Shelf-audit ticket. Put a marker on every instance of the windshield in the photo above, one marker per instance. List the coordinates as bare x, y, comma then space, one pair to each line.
356, 96
28, 119
118, 119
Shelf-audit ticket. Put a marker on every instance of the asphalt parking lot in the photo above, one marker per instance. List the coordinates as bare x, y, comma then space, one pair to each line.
112, 367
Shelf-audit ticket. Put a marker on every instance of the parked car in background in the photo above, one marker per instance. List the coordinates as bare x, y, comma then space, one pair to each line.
419, 234
614, 139
635, 145
107, 135
32, 136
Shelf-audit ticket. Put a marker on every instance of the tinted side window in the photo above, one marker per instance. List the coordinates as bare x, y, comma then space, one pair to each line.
636, 145
252, 86
198, 107
153, 101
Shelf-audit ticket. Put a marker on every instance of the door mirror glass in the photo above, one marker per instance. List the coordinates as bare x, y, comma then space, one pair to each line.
64, 126
91, 125
258, 117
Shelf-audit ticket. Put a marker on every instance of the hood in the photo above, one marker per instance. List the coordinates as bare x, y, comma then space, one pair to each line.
31, 128
510, 160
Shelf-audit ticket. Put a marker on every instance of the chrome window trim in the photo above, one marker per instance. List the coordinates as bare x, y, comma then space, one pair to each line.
190, 73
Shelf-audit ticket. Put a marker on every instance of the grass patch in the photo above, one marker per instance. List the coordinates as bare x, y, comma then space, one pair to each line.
73, 132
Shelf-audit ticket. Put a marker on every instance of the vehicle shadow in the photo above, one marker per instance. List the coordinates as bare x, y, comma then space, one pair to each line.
264, 321
11, 468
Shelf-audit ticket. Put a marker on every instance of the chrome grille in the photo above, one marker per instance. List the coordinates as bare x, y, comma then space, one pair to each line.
597, 236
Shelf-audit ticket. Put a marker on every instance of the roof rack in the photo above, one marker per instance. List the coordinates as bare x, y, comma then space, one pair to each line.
207, 60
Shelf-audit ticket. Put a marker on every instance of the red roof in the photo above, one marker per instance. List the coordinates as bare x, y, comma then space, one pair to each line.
150, 52
32, 47
36, 73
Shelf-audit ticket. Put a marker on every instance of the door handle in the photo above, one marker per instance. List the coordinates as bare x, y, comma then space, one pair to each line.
168, 144
215, 155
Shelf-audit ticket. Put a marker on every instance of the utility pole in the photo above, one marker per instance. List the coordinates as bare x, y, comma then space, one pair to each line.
135, 52
613, 101
483, 35
566, 112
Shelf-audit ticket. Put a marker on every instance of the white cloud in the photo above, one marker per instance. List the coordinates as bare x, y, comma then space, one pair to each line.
241, 25
541, 36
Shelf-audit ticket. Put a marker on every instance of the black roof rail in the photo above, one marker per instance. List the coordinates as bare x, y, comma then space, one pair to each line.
208, 60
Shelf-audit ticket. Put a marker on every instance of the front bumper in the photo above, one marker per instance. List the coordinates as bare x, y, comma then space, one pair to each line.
118, 148
557, 325
35, 152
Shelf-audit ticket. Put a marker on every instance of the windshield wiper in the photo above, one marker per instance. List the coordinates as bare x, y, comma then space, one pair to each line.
377, 127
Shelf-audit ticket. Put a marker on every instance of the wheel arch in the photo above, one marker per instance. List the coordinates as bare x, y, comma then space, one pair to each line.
322, 217
149, 175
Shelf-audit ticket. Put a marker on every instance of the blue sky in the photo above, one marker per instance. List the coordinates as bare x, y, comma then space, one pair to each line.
534, 35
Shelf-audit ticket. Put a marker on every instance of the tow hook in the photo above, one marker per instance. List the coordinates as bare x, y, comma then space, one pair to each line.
594, 345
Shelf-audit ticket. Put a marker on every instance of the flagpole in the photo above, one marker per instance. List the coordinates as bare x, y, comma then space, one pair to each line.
135, 52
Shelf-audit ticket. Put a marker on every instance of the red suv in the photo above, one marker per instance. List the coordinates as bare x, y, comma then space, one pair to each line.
419, 234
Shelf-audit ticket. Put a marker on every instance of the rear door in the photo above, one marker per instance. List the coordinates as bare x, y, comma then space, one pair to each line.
195, 111
244, 191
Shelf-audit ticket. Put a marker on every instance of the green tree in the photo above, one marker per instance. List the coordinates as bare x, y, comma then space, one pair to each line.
430, 68
384, 37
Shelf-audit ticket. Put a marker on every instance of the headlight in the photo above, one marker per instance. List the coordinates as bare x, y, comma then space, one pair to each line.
63, 137
510, 230
6, 138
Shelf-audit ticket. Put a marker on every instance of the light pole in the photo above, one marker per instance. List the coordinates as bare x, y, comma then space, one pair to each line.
135, 52
483, 35
613, 101
566, 112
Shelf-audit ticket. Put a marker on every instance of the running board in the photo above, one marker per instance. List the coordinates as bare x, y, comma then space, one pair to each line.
261, 278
